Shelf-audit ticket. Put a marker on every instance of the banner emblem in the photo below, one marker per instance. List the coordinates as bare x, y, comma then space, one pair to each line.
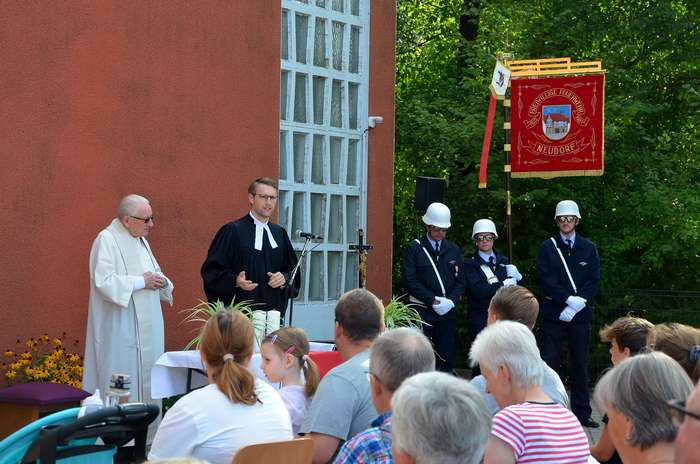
499, 81
556, 121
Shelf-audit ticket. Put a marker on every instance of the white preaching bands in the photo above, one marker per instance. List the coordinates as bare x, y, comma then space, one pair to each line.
259, 227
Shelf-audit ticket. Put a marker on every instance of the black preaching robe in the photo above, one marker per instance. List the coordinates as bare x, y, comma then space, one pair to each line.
232, 251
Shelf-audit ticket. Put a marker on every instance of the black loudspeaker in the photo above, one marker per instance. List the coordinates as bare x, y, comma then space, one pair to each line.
428, 190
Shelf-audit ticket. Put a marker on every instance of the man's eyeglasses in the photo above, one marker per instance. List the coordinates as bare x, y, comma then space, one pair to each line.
267, 197
563, 219
438, 229
145, 220
484, 238
679, 411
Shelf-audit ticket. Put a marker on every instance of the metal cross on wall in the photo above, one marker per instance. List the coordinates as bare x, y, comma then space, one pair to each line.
362, 249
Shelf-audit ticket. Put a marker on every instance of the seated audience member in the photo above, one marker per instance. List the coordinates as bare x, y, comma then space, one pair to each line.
516, 303
438, 419
234, 410
627, 336
635, 394
687, 414
342, 406
510, 361
285, 355
394, 356
681, 342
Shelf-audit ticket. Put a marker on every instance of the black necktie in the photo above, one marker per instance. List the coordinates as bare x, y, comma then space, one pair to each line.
492, 263
437, 247
568, 247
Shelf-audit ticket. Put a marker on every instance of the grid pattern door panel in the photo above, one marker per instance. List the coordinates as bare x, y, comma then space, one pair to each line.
323, 146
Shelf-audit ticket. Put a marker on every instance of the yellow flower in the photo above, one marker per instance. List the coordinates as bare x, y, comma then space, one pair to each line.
45, 358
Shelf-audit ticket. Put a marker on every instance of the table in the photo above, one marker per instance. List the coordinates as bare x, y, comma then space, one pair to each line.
177, 372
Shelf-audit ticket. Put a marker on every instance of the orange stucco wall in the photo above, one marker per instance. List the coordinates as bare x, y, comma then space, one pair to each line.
174, 100
177, 101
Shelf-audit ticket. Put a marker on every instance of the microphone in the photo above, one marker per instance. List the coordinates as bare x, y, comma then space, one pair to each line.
308, 235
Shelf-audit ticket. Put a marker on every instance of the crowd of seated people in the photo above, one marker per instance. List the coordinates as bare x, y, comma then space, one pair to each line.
635, 395
384, 403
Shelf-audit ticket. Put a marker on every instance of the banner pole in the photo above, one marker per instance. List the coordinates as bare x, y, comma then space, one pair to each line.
506, 168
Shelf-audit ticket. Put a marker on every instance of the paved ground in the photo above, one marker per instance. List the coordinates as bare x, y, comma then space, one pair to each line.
593, 434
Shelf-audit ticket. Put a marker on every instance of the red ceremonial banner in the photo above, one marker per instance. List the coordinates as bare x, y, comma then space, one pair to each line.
557, 126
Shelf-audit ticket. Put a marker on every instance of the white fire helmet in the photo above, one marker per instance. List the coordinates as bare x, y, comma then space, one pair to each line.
484, 225
567, 208
437, 215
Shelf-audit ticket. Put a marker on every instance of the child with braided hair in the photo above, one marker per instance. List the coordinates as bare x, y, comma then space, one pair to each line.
285, 356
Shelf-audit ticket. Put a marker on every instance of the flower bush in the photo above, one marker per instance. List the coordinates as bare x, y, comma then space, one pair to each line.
45, 359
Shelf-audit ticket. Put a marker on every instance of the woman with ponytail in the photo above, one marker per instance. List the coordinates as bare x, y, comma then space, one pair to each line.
285, 356
234, 410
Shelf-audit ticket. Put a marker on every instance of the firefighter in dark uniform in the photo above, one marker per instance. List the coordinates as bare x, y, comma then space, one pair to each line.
433, 277
486, 272
569, 270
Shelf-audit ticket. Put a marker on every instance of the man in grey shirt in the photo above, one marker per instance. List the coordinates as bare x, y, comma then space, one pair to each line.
342, 405
516, 303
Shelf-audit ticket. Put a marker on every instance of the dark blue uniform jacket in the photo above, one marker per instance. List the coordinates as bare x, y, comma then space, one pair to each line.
584, 265
419, 277
479, 290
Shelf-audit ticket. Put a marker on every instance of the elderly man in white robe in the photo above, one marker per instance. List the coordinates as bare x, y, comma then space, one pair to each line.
125, 324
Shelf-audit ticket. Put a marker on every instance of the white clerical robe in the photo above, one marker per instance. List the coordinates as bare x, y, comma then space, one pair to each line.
125, 327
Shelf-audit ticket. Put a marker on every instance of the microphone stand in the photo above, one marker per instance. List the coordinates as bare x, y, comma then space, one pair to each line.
307, 240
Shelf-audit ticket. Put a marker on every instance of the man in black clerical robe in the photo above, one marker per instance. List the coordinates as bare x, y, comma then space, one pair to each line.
251, 258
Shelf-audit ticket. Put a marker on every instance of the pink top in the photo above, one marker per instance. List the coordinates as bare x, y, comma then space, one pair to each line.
541, 432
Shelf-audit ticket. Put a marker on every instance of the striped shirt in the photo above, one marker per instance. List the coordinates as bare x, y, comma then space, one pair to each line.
541, 432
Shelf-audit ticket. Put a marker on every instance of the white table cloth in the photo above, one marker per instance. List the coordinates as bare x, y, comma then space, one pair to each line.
169, 374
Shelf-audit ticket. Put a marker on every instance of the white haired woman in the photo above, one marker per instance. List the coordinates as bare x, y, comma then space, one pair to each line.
635, 394
530, 427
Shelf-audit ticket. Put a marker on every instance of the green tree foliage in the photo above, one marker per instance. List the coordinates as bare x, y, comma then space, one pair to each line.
643, 213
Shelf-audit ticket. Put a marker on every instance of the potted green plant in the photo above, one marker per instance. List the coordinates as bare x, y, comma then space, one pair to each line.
201, 313
400, 314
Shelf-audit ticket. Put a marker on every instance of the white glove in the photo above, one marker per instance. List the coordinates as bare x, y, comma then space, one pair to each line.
444, 305
567, 314
512, 271
576, 302
510, 281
